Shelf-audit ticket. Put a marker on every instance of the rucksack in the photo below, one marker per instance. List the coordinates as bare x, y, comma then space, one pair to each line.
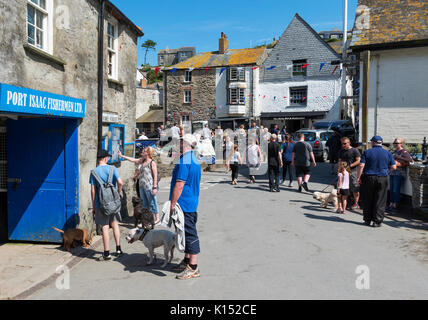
108, 196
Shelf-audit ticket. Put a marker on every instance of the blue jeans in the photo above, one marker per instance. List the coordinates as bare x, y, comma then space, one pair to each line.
395, 187
149, 200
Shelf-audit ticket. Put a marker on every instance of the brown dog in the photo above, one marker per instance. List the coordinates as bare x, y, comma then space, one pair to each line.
142, 215
73, 236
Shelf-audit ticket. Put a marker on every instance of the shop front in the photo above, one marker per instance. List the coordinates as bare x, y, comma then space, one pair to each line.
293, 120
40, 163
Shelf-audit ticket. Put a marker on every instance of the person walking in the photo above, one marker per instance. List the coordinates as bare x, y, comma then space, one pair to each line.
287, 157
106, 221
402, 159
274, 162
147, 180
352, 157
301, 159
334, 145
343, 185
185, 188
253, 157
234, 162
373, 177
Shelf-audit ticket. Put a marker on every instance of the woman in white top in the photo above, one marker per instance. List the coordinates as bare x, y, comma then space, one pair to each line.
229, 151
235, 160
146, 174
343, 185
253, 158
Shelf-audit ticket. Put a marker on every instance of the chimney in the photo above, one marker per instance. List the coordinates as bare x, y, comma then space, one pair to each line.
166, 49
223, 44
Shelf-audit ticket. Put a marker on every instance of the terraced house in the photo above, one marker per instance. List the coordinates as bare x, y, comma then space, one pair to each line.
217, 87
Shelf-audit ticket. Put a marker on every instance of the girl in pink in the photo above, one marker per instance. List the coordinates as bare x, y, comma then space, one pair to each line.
343, 186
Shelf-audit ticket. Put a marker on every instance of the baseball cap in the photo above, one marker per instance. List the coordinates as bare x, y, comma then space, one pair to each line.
190, 139
103, 153
377, 139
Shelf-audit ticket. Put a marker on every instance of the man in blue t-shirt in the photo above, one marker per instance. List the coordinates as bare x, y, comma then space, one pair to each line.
372, 174
102, 170
185, 186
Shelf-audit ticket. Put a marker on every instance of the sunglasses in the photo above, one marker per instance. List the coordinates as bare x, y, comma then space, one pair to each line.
396, 143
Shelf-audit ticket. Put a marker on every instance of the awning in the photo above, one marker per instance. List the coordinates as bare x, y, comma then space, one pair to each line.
293, 115
152, 116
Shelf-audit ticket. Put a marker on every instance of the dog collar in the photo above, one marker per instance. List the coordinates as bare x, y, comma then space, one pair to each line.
143, 234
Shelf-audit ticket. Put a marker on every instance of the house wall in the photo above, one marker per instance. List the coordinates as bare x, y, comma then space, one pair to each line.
398, 87
76, 44
145, 98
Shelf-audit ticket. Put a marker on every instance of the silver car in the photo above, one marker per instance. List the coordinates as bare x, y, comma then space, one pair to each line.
317, 138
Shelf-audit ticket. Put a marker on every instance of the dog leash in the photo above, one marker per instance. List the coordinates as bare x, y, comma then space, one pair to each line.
330, 184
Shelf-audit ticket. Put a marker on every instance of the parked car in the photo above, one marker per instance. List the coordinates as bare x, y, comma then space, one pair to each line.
317, 138
344, 127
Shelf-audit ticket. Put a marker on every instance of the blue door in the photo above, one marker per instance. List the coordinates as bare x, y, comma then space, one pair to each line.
38, 164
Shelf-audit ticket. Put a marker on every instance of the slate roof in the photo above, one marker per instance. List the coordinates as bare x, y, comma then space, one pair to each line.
230, 58
390, 22
181, 49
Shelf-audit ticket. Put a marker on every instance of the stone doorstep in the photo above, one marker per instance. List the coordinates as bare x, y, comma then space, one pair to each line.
37, 276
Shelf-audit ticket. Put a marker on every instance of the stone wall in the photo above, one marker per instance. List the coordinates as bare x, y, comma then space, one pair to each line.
76, 45
419, 178
203, 90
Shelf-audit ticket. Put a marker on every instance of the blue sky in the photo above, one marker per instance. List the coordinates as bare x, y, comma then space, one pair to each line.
199, 23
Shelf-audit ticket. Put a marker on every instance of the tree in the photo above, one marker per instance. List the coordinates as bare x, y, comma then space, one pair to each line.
148, 45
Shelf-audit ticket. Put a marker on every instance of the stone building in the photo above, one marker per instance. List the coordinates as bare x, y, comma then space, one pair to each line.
300, 81
217, 87
49, 110
169, 57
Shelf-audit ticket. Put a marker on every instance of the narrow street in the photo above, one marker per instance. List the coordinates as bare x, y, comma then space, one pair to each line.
261, 245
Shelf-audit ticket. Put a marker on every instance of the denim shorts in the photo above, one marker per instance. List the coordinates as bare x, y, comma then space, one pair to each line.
190, 232
149, 200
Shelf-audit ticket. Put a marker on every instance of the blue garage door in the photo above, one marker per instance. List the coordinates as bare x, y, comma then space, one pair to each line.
40, 172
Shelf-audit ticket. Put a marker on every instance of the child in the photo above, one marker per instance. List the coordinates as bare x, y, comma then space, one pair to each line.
235, 161
343, 185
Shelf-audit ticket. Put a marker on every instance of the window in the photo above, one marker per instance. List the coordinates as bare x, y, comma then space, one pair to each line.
237, 96
183, 55
237, 74
324, 136
39, 24
298, 96
112, 53
188, 76
187, 96
298, 69
161, 60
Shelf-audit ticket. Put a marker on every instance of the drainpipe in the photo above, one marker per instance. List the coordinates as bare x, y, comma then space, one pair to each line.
377, 94
100, 71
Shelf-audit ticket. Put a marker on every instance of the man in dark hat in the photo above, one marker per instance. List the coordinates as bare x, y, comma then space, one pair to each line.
102, 170
372, 175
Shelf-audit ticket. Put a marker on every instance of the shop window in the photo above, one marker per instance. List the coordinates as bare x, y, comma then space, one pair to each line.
237, 96
298, 96
39, 24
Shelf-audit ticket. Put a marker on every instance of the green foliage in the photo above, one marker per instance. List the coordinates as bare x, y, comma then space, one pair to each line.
148, 45
152, 78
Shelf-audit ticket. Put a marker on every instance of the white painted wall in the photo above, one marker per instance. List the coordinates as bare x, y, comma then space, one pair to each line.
145, 98
399, 87
323, 95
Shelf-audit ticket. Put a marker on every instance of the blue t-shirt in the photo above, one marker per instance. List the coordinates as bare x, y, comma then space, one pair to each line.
287, 153
377, 161
102, 172
189, 171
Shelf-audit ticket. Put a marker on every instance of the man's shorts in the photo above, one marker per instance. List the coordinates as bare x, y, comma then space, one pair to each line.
102, 220
334, 157
353, 185
302, 171
190, 232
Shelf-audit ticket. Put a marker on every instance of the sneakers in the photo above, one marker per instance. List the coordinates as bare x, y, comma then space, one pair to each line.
188, 273
305, 186
300, 189
290, 184
181, 266
104, 258
355, 206
118, 253
376, 225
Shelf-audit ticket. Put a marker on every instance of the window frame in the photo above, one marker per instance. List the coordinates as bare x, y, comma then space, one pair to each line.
297, 68
187, 98
47, 25
114, 52
300, 101
239, 76
239, 96
187, 76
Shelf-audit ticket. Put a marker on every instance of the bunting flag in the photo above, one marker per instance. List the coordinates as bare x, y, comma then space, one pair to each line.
304, 98
222, 69
274, 98
335, 70
270, 68
206, 70
340, 75
285, 97
254, 68
322, 66
173, 70
191, 69
305, 65
157, 69
264, 97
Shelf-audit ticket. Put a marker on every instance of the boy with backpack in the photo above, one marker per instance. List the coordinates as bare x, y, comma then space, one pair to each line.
106, 201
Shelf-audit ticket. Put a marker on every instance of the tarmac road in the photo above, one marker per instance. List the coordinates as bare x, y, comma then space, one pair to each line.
261, 245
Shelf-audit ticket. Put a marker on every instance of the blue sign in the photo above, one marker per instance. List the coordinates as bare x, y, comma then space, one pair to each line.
15, 99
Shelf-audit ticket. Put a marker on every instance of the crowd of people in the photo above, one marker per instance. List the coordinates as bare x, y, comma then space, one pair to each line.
365, 173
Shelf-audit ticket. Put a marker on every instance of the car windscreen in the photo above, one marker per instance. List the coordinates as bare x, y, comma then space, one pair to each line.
310, 136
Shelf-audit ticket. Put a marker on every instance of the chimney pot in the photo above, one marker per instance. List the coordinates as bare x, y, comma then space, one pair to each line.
223, 43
